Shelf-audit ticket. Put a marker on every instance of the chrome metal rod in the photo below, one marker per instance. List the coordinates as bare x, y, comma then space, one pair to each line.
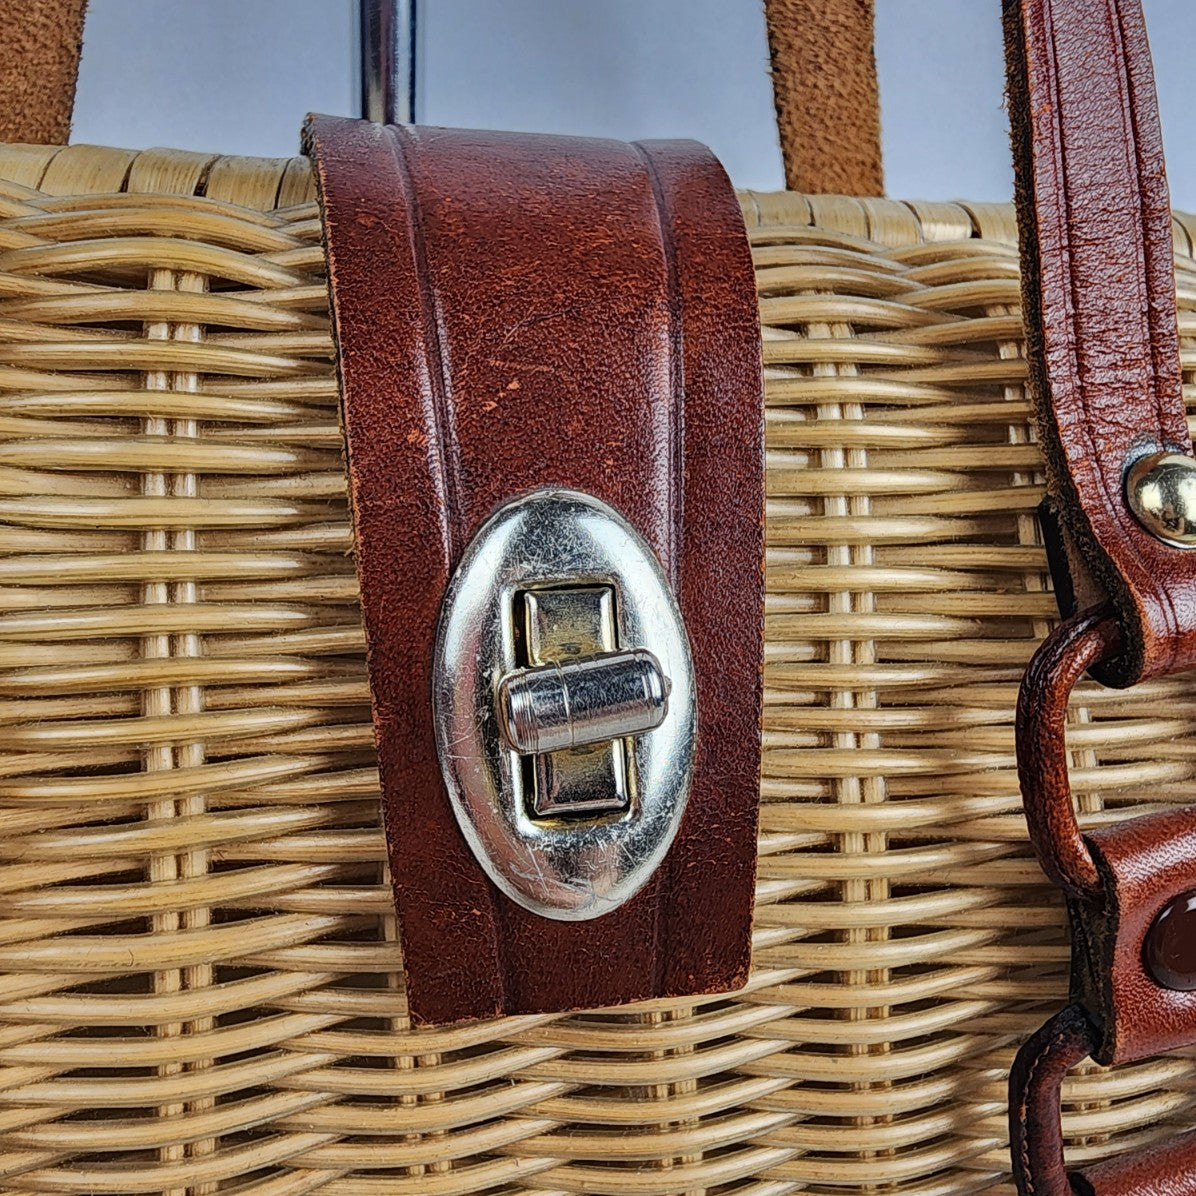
592, 699
388, 39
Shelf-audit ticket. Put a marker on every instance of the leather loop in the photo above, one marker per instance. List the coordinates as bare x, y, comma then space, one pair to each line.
1036, 1126
1061, 660
512, 312
1099, 304
1035, 1090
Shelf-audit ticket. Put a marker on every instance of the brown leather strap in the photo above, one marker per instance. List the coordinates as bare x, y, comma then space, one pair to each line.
824, 86
40, 42
514, 311
1099, 298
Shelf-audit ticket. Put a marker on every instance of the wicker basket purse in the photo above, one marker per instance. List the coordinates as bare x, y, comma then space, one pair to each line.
200, 984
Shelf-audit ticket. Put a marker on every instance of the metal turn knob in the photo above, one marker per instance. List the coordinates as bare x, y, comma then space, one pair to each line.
589, 700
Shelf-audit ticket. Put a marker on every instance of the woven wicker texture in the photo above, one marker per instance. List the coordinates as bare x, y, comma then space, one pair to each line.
200, 987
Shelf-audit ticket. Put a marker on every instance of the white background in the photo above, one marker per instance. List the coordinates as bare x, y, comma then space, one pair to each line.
237, 76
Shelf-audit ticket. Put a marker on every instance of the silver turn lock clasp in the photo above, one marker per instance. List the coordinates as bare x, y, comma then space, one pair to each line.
577, 699
564, 704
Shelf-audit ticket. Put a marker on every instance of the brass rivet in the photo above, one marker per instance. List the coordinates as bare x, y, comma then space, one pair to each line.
1170, 946
1161, 491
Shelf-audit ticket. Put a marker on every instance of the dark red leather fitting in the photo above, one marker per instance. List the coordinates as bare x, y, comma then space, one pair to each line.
1036, 1128
1099, 303
1164, 1169
512, 312
1145, 863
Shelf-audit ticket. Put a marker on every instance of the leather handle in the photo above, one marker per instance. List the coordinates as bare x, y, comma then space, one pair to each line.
1099, 307
1035, 1089
40, 42
825, 91
1063, 658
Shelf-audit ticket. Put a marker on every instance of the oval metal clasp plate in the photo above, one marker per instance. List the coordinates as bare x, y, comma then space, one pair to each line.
558, 590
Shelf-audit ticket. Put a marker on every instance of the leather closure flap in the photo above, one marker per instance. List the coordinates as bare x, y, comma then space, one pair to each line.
521, 314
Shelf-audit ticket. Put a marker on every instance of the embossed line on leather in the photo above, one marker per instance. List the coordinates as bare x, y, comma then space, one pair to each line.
397, 472
720, 570
593, 306
1099, 299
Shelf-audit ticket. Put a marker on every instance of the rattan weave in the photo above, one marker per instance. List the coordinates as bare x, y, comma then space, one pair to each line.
200, 987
